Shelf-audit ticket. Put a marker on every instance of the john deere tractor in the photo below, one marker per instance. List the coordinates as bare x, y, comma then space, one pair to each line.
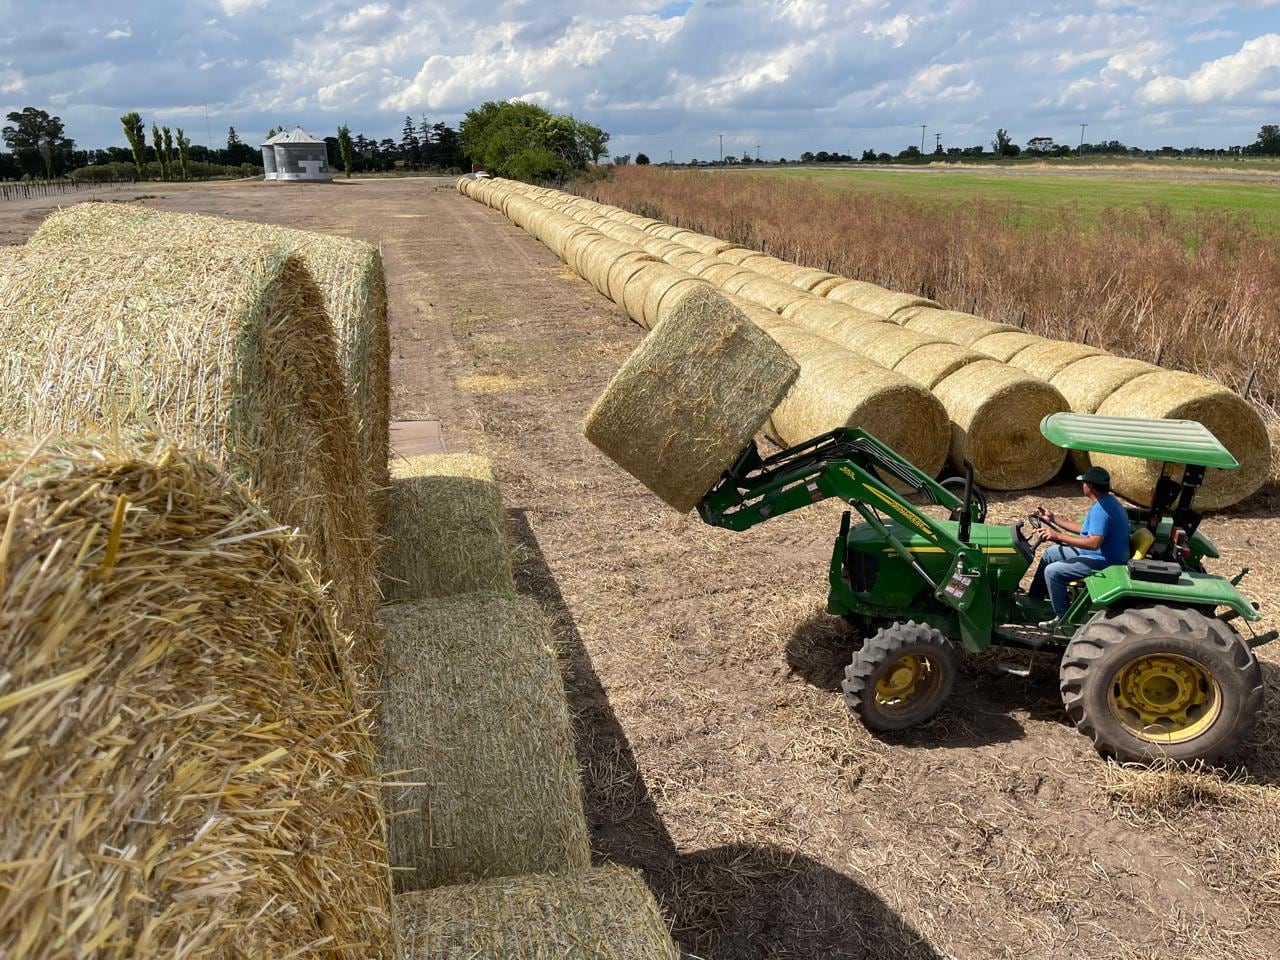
1153, 660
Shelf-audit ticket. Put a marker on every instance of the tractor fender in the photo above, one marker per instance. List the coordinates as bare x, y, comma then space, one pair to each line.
1112, 585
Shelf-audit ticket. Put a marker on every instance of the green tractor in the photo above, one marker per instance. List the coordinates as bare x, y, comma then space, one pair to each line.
1152, 664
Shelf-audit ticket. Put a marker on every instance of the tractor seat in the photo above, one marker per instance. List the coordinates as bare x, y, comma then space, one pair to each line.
1140, 542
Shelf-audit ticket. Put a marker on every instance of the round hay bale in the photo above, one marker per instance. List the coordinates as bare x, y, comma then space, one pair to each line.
737, 281
720, 274
664, 293
476, 727
774, 294
560, 237
690, 261
837, 388
1088, 382
861, 337
186, 769
875, 299
216, 336
822, 315
823, 287
666, 231
738, 255
779, 270
811, 279
711, 246
1004, 344
1045, 358
579, 245
605, 913
642, 295
623, 269
447, 532
995, 416
896, 343
962, 328
932, 363
690, 397
1173, 395
598, 262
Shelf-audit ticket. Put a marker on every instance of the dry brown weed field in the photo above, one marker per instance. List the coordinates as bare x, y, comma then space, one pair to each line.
717, 754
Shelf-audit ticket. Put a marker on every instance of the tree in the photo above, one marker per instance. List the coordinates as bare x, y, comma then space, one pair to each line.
233, 140
424, 142
184, 154
807, 157
344, 148
446, 147
593, 140
911, 153
168, 152
410, 146
1039, 145
136, 134
642, 159
1003, 145
521, 140
868, 156
1268, 142
157, 144
37, 141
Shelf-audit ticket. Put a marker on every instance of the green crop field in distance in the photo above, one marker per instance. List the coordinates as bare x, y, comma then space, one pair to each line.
1045, 192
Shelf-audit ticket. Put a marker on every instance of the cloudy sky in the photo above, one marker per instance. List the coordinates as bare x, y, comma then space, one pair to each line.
788, 75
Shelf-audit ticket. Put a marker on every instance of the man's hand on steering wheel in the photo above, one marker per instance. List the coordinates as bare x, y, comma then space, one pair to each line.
1044, 513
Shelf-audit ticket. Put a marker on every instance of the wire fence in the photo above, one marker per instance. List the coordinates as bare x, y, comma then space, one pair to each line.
28, 189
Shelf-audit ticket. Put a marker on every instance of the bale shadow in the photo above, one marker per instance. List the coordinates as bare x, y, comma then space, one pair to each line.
740, 902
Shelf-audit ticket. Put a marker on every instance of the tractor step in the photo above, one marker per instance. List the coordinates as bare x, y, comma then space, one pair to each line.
1014, 668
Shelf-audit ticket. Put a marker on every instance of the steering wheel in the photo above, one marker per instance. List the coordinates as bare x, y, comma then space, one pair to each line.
1020, 540
956, 486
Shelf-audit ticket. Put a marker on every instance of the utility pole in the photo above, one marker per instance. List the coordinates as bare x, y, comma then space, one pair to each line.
922, 126
722, 149
937, 143
1080, 149
757, 153
671, 155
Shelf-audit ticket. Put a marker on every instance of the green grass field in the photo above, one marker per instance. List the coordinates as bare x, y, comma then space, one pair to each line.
1039, 192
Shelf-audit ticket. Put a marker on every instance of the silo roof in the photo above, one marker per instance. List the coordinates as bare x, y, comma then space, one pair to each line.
296, 135
274, 139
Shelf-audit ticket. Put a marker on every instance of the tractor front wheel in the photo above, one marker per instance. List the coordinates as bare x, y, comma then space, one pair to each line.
1149, 682
901, 676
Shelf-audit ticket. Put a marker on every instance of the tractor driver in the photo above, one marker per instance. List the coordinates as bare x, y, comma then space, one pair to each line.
1102, 540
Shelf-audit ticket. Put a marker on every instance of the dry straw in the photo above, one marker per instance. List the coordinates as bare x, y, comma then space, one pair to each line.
446, 532
1173, 395
962, 328
1005, 344
932, 363
185, 771
653, 289
475, 729
606, 913
690, 398
347, 272
218, 339
995, 414
1047, 358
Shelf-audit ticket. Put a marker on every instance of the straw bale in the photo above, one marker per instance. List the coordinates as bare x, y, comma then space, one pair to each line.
837, 388
605, 913
1005, 344
995, 423
721, 273
823, 315
711, 246
598, 262
1174, 395
896, 344
690, 261
774, 294
446, 533
348, 273
932, 363
875, 299
962, 328
690, 398
1088, 382
823, 287
738, 255
185, 771
623, 269
217, 338
475, 728
811, 279
780, 270
1045, 358
666, 231
644, 292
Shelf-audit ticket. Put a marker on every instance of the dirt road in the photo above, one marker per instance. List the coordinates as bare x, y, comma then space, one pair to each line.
718, 755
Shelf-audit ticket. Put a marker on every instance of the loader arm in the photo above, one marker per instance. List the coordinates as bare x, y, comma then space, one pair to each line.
851, 465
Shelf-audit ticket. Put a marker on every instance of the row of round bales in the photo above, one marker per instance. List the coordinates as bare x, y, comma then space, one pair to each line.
933, 346
921, 402
192, 656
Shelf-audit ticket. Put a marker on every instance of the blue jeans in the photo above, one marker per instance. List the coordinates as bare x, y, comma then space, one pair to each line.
1058, 567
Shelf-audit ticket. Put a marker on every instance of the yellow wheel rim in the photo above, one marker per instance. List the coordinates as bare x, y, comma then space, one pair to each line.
905, 679
1164, 698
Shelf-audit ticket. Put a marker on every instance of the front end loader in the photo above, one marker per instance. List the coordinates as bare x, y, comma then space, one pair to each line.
1152, 660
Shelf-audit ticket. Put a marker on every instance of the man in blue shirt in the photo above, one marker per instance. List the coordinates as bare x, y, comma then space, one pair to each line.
1102, 540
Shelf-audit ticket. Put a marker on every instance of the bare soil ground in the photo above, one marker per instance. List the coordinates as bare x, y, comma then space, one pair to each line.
718, 755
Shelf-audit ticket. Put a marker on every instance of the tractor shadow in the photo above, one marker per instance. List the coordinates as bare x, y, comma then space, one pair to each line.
980, 709
736, 902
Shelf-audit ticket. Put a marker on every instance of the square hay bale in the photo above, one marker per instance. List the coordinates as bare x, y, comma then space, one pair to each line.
690, 398
348, 274
219, 341
475, 729
185, 769
446, 531
606, 913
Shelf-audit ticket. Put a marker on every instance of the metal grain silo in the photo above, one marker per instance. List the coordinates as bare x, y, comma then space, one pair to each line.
269, 156
300, 156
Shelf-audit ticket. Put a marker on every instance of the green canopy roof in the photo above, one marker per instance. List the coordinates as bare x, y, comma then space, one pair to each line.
1167, 441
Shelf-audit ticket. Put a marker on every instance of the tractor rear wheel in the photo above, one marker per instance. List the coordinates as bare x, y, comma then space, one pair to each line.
901, 676
1149, 682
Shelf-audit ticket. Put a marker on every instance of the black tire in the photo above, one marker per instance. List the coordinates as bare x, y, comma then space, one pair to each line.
1211, 665
883, 652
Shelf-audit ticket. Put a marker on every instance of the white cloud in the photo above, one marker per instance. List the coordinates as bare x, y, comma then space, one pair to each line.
1249, 71
897, 29
120, 33
233, 7
1208, 35
11, 81
940, 81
